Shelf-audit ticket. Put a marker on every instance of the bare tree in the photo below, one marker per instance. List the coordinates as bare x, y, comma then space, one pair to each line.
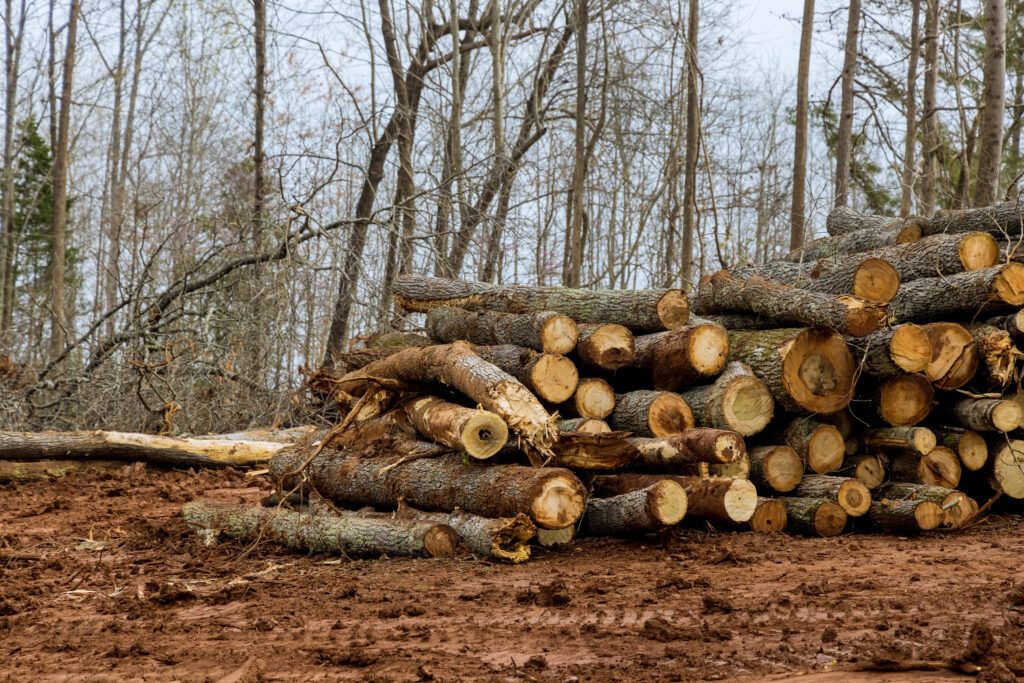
910, 137
14, 32
796, 214
692, 149
844, 141
990, 134
574, 236
929, 122
259, 8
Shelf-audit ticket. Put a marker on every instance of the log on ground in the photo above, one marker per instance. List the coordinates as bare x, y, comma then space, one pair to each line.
727, 500
814, 516
956, 506
698, 445
478, 433
847, 492
545, 331
920, 439
905, 516
655, 507
769, 515
17, 472
737, 400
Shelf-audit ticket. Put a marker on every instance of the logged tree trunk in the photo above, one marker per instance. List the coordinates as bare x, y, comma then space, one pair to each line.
847, 492
661, 504
545, 331
101, 445
345, 535
769, 515
843, 220
954, 355
457, 366
681, 357
905, 400
15, 472
478, 433
969, 446
987, 414
854, 242
955, 505
698, 445
605, 346
777, 468
715, 499
357, 475
997, 352
941, 255
737, 321
738, 401
593, 451
817, 444
869, 470
862, 275
940, 467
594, 398
807, 371
722, 292
648, 310
1006, 219
360, 358
905, 516
284, 435
1006, 467
814, 516
383, 340
994, 289
920, 439
1012, 323
503, 538
551, 378
583, 425
892, 351
651, 413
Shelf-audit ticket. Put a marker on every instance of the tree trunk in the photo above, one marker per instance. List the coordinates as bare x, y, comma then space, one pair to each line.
843, 220
478, 433
987, 414
698, 445
574, 236
551, 378
344, 535
814, 516
910, 106
905, 400
738, 401
862, 275
807, 371
594, 398
995, 289
796, 215
955, 505
605, 346
969, 446
920, 439
844, 141
990, 134
819, 445
848, 493
721, 292
16, 472
905, 516
681, 357
541, 331
869, 470
929, 113
651, 413
769, 516
775, 468
892, 351
940, 467
650, 310
660, 505
1012, 323
260, 95
854, 242
715, 499
693, 124
954, 355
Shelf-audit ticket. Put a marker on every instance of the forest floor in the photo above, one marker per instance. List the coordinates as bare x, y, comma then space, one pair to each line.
100, 580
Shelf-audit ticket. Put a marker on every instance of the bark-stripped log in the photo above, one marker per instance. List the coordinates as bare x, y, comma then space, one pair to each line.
583, 425
954, 355
100, 445
892, 351
853, 243
941, 255
714, 499
15, 472
997, 352
737, 400
346, 535
869, 470
545, 331
807, 371
847, 492
940, 467
905, 516
995, 289
721, 292
698, 445
817, 444
605, 346
660, 505
987, 414
647, 310
478, 433
956, 506
920, 439
681, 357
769, 515
1001, 219
862, 275
1006, 467
968, 444
814, 516
775, 468
905, 400
651, 413
593, 451
594, 398
551, 378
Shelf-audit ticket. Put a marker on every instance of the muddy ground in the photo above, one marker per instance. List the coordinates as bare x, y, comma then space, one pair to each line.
100, 580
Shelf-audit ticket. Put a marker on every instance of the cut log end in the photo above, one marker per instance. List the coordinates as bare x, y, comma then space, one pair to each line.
554, 378
1008, 469
905, 400
929, 515
924, 440
559, 334
666, 502
854, 498
1009, 284
708, 349
910, 348
779, 467
558, 503
876, 280
769, 516
978, 250
818, 371
1007, 416
940, 467
909, 233
747, 405
609, 347
973, 450
483, 435
869, 470
954, 355
594, 398
829, 519
584, 425
440, 541
825, 450
862, 317
674, 309
740, 500
555, 537
669, 414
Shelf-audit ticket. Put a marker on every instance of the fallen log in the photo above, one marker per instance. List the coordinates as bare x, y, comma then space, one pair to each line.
814, 516
684, 356
594, 398
101, 445
769, 515
905, 516
737, 401
862, 275
847, 492
651, 413
736, 321
1001, 219
269, 434
920, 439
721, 292
478, 433
354, 360
648, 310
968, 444
869, 470
940, 467
905, 400
346, 535
698, 445
817, 444
777, 468
954, 355
16, 472
987, 414
807, 371
713, 499
995, 289
892, 351
956, 506
544, 331
854, 242
655, 507
605, 346
551, 378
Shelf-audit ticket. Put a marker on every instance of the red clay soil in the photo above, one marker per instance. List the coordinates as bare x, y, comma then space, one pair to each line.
100, 580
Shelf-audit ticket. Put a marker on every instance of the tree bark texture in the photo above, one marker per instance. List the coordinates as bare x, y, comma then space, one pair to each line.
17, 472
863, 275
892, 351
545, 331
681, 357
995, 289
698, 445
905, 516
660, 505
844, 139
853, 243
814, 516
651, 413
797, 218
990, 127
1004, 220
987, 414
847, 492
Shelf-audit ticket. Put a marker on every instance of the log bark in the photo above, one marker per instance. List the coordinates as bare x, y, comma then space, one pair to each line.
655, 507
684, 356
651, 413
843, 220
1001, 220
593, 398
698, 445
1012, 323
1006, 467
545, 331
775, 468
997, 353
346, 535
769, 515
817, 444
905, 400
721, 292
968, 444
593, 451
905, 516
940, 467
920, 439
360, 358
807, 371
892, 351
954, 355
737, 401
989, 290
16, 472
854, 242
648, 310
956, 506
504, 538
814, 516
713, 499
583, 425
100, 445
847, 492
941, 255
551, 378
737, 321
478, 433
284, 435
987, 414
863, 275
869, 470
605, 346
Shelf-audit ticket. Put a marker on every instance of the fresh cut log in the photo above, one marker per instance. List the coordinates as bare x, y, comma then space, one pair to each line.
651, 413
684, 356
954, 355
698, 445
848, 493
655, 507
968, 444
737, 400
940, 255
905, 516
940, 467
814, 516
892, 351
545, 331
714, 499
594, 398
854, 242
648, 310
956, 505
988, 414
818, 444
905, 400
920, 439
995, 289
1006, 467
583, 425
605, 346
593, 451
478, 433
869, 470
1000, 219
776, 468
769, 515
551, 378
862, 275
